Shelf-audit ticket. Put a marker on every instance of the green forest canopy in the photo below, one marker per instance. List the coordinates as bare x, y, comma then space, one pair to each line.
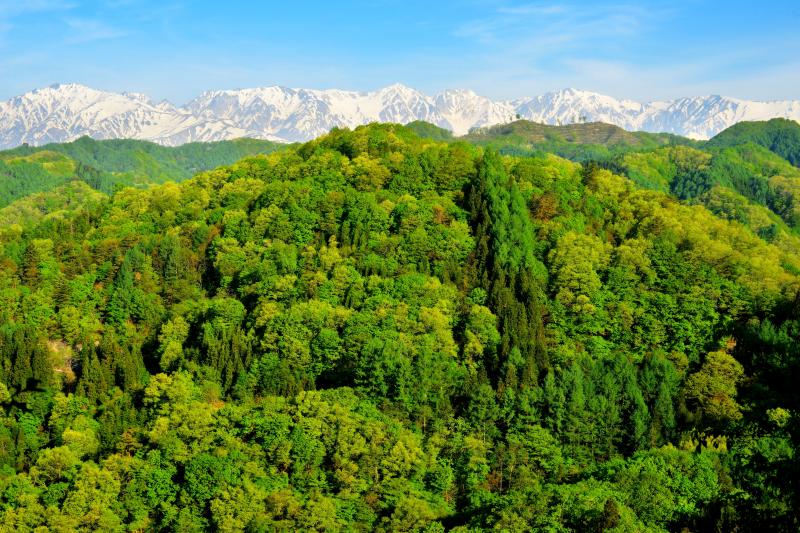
105, 165
581, 142
779, 135
377, 331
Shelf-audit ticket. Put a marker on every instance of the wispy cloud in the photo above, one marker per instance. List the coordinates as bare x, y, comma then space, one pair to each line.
704, 76
526, 46
546, 24
17, 60
88, 30
533, 9
504, 49
12, 8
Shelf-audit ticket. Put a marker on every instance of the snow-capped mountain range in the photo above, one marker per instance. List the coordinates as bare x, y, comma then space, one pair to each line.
65, 112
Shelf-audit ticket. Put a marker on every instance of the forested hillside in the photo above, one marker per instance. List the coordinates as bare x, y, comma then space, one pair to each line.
733, 182
579, 142
779, 135
106, 165
376, 331
747, 173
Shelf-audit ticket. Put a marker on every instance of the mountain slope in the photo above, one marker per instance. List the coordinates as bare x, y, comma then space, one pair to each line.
58, 202
777, 135
377, 332
65, 112
578, 142
735, 179
107, 164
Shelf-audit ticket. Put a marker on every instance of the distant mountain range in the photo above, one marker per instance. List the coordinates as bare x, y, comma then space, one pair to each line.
64, 112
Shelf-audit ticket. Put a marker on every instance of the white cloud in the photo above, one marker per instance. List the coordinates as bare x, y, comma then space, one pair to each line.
12, 8
558, 23
534, 9
88, 30
527, 49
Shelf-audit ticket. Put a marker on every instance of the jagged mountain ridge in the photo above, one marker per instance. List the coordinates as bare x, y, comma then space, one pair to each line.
64, 112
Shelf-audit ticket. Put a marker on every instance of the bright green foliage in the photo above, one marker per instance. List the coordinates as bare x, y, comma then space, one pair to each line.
427, 130
579, 141
713, 387
107, 165
735, 180
778, 135
381, 331
21, 175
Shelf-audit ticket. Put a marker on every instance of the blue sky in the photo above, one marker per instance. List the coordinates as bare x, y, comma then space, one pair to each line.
503, 49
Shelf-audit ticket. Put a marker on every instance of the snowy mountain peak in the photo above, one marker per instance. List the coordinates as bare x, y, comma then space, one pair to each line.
63, 112
66, 87
458, 93
141, 97
398, 91
398, 88
570, 92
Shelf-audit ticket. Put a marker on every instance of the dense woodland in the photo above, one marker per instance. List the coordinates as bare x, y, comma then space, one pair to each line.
581, 141
382, 331
113, 164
